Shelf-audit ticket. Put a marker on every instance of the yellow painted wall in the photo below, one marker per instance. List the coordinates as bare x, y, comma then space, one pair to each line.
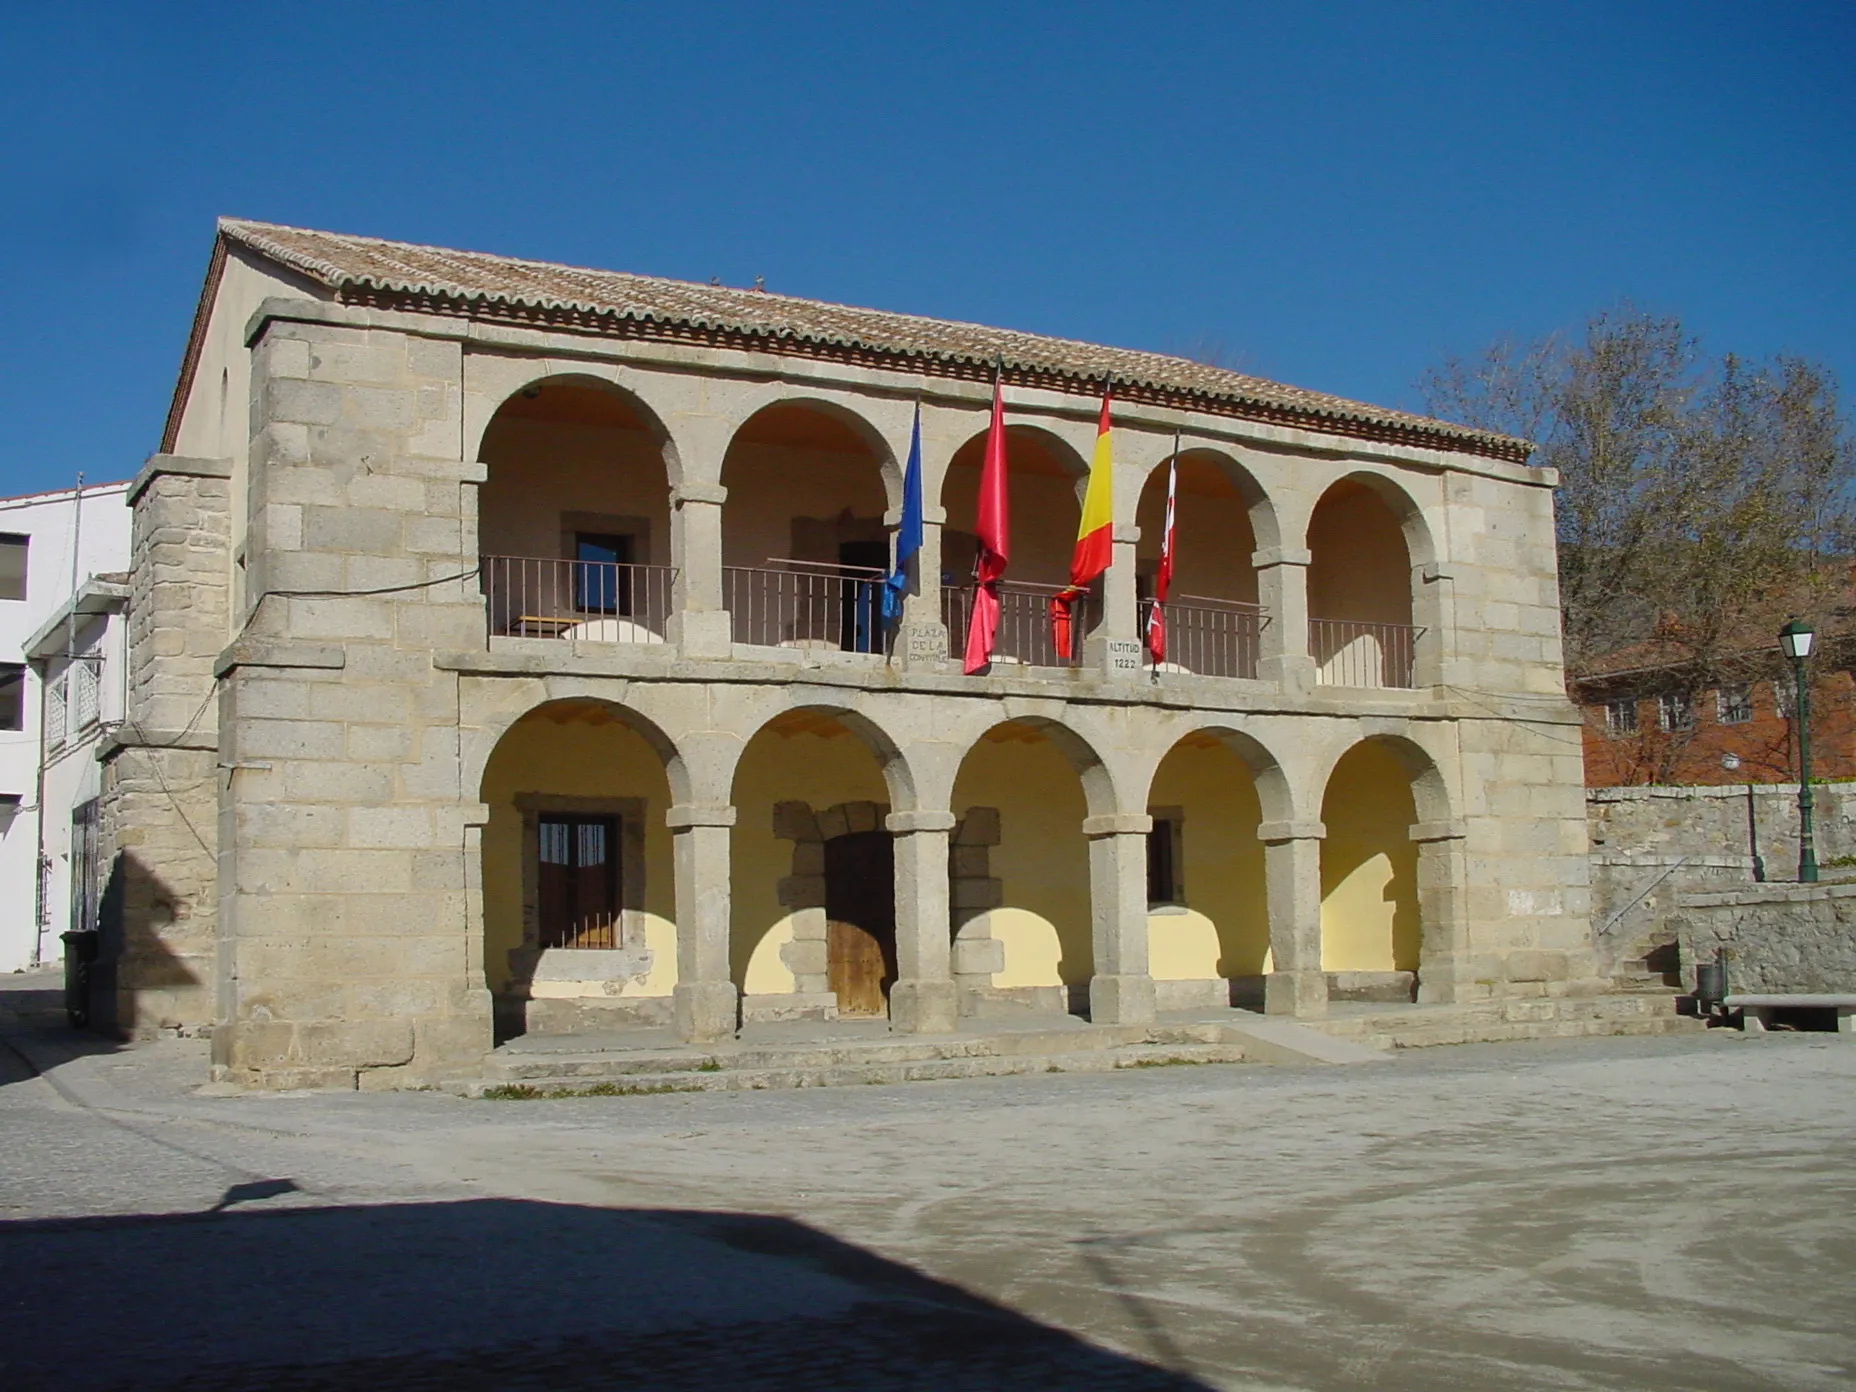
1042, 859
785, 765
541, 469
540, 755
769, 485
1211, 531
1369, 866
1045, 510
1223, 867
1360, 569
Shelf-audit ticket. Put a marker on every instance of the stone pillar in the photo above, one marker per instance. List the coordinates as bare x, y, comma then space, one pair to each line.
1113, 648
921, 638
1122, 991
1282, 589
922, 1000
1434, 611
1296, 984
700, 623
1443, 961
705, 997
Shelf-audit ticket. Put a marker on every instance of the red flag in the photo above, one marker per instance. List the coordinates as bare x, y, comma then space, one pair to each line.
1163, 574
1094, 534
994, 529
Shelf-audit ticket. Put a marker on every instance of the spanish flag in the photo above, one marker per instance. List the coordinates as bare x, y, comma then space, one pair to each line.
1094, 534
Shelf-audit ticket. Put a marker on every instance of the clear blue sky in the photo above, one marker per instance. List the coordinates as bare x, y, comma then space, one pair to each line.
1335, 194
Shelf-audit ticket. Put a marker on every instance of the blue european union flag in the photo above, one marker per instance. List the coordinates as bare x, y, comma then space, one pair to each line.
909, 534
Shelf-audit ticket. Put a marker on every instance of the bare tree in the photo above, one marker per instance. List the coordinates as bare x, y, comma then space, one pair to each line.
1700, 500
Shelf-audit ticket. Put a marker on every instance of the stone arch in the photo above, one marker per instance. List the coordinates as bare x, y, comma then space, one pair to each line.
810, 775
1210, 792
1380, 796
573, 515
579, 914
1368, 544
480, 744
1022, 899
809, 485
1044, 468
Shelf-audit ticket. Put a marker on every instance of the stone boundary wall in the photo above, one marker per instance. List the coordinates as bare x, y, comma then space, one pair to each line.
1653, 844
1797, 939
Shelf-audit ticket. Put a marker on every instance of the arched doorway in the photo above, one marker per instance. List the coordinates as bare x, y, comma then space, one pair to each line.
1208, 929
1043, 475
574, 516
1020, 874
1372, 929
1360, 630
804, 545
814, 926
1213, 620
579, 911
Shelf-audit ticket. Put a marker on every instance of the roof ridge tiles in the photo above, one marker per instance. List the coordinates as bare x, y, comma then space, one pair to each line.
346, 263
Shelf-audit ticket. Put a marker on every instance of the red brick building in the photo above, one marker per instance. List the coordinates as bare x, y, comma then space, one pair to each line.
1651, 722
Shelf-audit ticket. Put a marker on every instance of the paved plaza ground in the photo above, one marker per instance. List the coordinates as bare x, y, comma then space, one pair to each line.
1674, 1212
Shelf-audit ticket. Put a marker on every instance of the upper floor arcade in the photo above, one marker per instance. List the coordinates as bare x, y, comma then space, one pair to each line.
719, 475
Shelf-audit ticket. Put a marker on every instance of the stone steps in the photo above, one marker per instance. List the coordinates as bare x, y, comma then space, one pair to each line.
1490, 1022
842, 1065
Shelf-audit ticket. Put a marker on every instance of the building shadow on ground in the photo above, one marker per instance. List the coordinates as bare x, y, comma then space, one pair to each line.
496, 1293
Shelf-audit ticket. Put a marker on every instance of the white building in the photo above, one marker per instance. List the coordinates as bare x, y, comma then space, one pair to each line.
51, 544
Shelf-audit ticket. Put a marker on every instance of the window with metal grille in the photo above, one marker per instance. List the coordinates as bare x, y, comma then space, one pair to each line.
54, 711
578, 881
1621, 717
1676, 710
84, 685
13, 549
1733, 705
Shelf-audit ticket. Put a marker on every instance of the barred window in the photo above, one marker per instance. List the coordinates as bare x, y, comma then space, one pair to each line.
54, 711
1621, 717
1733, 705
1784, 697
1676, 710
84, 693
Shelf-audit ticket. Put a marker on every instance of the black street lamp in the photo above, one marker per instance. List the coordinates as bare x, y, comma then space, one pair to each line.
1795, 641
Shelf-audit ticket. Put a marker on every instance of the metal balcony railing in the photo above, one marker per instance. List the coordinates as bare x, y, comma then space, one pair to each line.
584, 601
1350, 652
805, 604
1024, 637
1211, 637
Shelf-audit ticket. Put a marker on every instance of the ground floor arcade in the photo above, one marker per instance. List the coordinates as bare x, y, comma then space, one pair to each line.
788, 854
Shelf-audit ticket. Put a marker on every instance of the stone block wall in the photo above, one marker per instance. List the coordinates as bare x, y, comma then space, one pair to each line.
1779, 939
352, 956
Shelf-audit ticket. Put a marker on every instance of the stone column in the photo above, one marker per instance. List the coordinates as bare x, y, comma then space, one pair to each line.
922, 1000
705, 997
1292, 881
1122, 991
700, 624
921, 638
1282, 589
1113, 648
1443, 962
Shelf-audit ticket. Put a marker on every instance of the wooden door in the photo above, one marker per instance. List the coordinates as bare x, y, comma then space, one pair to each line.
860, 908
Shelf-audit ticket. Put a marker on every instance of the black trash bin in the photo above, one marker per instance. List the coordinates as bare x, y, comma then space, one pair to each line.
80, 950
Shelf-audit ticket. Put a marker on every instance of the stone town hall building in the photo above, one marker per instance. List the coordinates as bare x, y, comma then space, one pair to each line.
504, 657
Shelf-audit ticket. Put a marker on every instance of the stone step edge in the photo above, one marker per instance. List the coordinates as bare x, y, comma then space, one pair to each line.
902, 1050
852, 1074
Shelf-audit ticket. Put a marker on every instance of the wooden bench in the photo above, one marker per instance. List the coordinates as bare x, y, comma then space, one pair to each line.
1754, 1009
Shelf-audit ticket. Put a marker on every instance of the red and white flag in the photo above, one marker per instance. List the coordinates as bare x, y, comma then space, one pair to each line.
1163, 574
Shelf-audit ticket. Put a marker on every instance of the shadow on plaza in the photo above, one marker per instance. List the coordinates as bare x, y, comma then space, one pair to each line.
495, 1293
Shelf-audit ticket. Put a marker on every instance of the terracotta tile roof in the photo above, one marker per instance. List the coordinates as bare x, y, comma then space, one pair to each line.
370, 271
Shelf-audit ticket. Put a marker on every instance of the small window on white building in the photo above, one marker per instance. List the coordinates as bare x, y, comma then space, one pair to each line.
12, 696
1621, 717
1733, 705
1676, 710
13, 549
